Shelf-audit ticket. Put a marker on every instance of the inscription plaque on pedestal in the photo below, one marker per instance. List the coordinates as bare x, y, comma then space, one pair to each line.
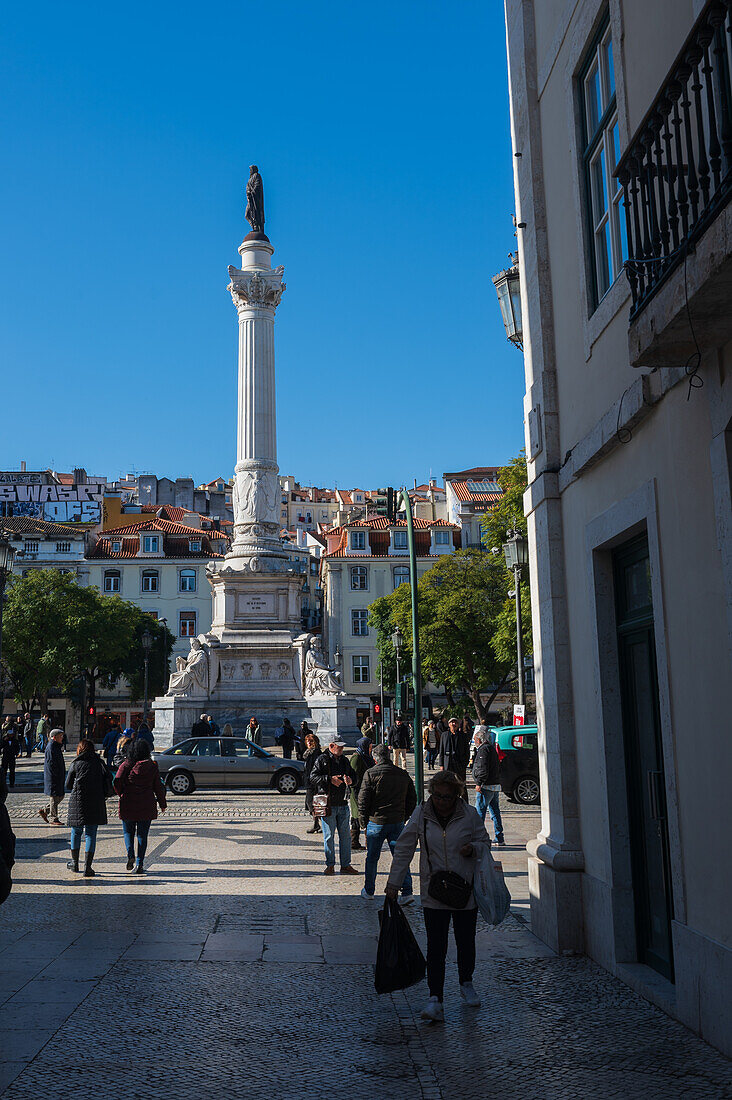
252, 604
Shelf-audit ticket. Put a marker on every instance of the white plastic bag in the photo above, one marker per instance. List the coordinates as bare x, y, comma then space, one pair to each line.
491, 892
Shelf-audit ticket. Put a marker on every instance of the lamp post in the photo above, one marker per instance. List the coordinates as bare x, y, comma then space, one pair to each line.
508, 289
7, 557
147, 641
397, 640
516, 551
416, 671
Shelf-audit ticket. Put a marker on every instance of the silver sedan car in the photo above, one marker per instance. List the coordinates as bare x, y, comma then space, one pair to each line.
229, 762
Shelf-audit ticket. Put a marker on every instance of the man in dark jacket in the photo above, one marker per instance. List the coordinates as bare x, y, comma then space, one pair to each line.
486, 776
54, 776
28, 735
455, 751
201, 728
386, 800
9, 751
333, 775
287, 739
399, 741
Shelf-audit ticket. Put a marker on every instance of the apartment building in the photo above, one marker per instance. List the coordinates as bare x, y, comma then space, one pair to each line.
622, 153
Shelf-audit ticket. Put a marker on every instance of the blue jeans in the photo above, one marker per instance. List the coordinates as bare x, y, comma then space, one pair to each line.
375, 837
340, 819
90, 843
487, 801
143, 828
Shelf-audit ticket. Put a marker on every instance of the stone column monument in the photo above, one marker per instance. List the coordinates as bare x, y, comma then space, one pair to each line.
257, 659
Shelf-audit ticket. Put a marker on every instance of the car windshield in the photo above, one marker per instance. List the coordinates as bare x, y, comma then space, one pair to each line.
183, 749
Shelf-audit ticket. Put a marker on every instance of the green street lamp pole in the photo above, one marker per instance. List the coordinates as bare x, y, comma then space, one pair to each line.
416, 672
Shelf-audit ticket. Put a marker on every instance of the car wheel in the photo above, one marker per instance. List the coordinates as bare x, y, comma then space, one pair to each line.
526, 790
180, 783
287, 782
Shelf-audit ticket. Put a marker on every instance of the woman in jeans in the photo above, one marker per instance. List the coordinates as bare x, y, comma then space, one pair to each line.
89, 785
431, 739
140, 791
451, 836
312, 751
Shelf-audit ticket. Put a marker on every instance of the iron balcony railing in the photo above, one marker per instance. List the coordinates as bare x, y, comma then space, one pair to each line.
676, 173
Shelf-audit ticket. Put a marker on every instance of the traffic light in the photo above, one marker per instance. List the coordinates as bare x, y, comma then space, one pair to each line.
377, 710
92, 711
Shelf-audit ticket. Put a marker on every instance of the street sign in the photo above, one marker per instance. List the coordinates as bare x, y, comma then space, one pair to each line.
519, 714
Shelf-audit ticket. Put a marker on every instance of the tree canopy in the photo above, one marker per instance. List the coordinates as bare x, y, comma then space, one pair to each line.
55, 630
467, 620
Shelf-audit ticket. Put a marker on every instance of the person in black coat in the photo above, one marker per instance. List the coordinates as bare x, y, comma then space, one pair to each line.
90, 784
399, 741
333, 775
54, 773
487, 779
287, 739
312, 750
7, 846
9, 752
455, 751
201, 728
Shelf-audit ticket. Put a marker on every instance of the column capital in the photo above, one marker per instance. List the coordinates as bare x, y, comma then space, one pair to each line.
256, 289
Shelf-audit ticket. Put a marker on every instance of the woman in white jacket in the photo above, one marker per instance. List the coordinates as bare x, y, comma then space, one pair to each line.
450, 835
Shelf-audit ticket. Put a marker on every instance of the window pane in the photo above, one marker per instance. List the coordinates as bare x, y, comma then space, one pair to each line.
615, 149
593, 102
599, 193
602, 249
609, 70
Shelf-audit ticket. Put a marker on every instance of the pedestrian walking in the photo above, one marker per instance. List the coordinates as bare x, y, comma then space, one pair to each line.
288, 737
254, 733
89, 785
332, 775
141, 792
312, 752
399, 741
486, 776
43, 730
386, 800
360, 762
144, 731
370, 730
109, 744
28, 737
451, 837
300, 735
54, 774
454, 751
431, 742
200, 728
9, 752
7, 845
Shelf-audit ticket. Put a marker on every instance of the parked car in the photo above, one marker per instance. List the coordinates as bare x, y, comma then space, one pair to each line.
229, 762
519, 755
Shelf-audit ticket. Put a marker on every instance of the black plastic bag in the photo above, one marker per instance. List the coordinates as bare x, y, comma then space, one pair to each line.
399, 961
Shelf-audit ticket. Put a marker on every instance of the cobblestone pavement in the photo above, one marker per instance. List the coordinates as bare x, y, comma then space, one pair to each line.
233, 967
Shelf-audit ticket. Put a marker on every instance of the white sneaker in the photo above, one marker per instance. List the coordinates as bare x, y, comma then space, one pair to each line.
433, 1011
468, 994
366, 896
406, 899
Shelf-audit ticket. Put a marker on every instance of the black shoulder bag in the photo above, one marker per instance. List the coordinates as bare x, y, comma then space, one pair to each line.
446, 886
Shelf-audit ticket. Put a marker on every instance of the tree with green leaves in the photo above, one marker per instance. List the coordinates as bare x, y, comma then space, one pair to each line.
459, 603
55, 630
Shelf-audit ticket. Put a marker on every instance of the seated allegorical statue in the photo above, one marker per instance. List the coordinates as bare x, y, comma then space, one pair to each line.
191, 677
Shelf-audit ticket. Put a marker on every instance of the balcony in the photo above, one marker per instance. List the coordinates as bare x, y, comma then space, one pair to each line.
676, 176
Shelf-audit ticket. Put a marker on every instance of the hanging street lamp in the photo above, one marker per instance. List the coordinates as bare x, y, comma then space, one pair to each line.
508, 289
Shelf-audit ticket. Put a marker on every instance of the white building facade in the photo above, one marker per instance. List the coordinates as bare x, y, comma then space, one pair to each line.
621, 135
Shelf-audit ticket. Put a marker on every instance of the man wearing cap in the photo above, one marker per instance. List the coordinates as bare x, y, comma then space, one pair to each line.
54, 775
333, 775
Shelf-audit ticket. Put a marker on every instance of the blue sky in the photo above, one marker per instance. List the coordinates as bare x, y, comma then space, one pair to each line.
381, 131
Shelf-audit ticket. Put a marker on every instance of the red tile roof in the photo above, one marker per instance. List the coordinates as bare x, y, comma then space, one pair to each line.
157, 524
382, 523
28, 525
